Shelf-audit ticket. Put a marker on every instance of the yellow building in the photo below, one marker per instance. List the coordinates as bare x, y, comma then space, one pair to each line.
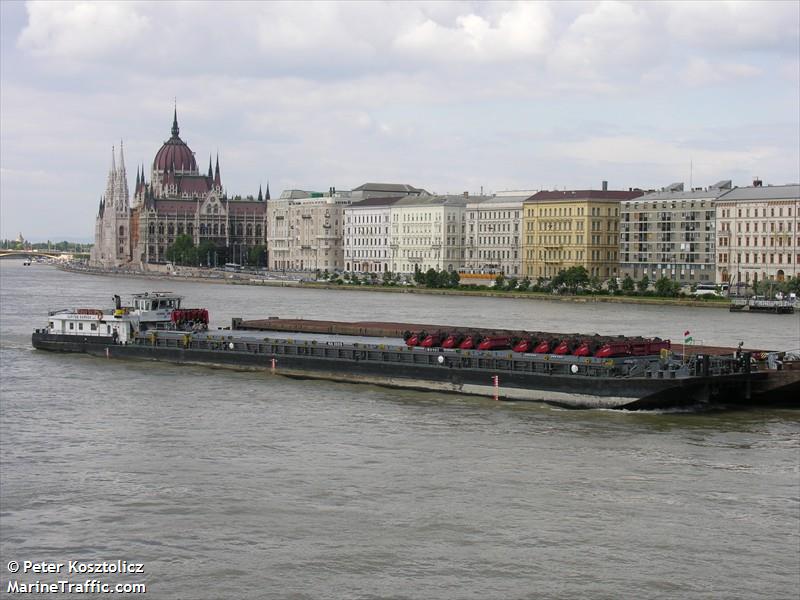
572, 228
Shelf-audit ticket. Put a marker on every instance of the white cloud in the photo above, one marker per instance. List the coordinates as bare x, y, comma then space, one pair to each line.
700, 71
446, 95
81, 30
669, 155
521, 32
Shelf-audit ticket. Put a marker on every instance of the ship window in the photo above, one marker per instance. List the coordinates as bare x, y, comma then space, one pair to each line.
72, 325
94, 326
80, 326
52, 325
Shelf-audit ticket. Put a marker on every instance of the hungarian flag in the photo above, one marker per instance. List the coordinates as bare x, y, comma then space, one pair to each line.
687, 339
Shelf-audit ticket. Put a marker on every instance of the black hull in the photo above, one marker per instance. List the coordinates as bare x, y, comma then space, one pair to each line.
568, 391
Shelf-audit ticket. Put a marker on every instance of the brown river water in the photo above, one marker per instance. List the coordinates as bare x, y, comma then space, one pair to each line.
228, 484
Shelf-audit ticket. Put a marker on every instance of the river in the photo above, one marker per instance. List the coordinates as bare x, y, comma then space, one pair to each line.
230, 484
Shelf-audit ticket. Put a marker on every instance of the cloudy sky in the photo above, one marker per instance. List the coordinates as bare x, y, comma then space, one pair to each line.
447, 96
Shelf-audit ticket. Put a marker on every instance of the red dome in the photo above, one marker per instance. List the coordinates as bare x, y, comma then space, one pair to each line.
175, 153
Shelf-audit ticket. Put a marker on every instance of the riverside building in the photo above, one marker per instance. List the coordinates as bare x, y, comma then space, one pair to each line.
670, 233
306, 230
178, 200
757, 234
367, 235
428, 232
563, 229
493, 236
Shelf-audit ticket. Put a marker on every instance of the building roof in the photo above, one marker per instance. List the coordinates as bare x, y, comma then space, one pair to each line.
707, 194
454, 200
768, 192
402, 188
174, 153
376, 201
571, 195
490, 202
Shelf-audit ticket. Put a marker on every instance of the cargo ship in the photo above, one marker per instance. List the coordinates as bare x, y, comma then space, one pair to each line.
577, 371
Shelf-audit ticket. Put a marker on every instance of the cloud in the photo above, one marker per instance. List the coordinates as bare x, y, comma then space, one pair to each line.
521, 32
700, 71
445, 95
81, 30
670, 156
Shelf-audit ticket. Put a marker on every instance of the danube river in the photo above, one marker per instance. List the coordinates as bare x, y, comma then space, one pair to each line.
227, 484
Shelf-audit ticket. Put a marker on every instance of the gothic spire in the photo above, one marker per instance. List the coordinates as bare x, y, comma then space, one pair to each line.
260, 195
217, 179
113, 159
210, 172
175, 129
121, 157
266, 196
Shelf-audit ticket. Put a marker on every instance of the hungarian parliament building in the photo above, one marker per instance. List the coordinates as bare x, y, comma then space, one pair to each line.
177, 200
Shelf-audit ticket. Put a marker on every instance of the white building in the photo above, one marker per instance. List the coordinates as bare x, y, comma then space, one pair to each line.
112, 229
757, 234
428, 233
493, 238
367, 235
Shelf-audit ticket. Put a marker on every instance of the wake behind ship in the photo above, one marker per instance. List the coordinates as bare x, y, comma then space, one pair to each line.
573, 371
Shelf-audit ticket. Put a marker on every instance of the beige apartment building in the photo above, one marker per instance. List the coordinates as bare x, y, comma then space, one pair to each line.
305, 233
757, 234
494, 236
563, 229
670, 233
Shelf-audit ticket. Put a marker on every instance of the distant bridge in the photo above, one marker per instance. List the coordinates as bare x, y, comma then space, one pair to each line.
33, 253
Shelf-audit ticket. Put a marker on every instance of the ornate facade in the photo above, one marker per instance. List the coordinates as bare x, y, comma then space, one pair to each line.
112, 229
178, 200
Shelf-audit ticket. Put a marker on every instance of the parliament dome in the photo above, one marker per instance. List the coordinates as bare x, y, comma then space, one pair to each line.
175, 153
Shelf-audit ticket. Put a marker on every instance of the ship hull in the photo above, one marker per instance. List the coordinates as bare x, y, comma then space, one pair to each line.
562, 390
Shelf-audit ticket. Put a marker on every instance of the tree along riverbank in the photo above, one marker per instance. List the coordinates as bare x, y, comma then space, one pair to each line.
213, 276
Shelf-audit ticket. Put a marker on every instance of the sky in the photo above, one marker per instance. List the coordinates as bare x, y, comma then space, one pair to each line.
448, 96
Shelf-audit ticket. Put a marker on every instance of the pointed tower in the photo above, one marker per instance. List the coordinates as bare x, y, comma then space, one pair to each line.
217, 179
175, 129
260, 195
112, 178
266, 196
121, 193
210, 172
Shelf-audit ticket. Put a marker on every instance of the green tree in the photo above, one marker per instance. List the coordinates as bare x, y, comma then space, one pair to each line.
182, 251
643, 284
431, 278
499, 281
257, 256
524, 285
572, 279
628, 285
206, 253
613, 285
512, 283
667, 287
455, 279
387, 277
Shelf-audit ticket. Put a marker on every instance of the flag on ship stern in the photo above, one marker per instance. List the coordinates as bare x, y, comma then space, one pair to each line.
687, 339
